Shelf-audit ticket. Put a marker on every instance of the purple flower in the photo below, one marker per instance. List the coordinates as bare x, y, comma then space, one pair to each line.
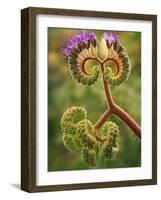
92, 36
71, 44
66, 51
79, 38
110, 37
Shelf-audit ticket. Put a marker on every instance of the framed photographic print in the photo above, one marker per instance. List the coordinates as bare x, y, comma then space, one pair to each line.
89, 99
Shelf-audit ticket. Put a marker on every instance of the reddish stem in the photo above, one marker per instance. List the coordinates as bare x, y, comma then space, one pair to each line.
115, 109
128, 120
108, 94
102, 119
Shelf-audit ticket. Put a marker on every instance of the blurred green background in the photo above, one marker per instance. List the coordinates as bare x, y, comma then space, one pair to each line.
63, 93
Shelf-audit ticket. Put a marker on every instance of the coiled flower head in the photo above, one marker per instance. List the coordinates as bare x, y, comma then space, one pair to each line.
111, 145
83, 47
71, 117
78, 50
77, 129
117, 56
78, 136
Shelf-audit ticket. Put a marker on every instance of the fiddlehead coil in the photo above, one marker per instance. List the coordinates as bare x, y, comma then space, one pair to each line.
89, 156
79, 50
77, 134
70, 118
120, 59
111, 144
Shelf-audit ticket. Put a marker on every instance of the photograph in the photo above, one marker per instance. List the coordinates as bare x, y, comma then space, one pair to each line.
89, 100
94, 99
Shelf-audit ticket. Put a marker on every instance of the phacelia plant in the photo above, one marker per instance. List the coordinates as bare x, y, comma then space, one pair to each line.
97, 141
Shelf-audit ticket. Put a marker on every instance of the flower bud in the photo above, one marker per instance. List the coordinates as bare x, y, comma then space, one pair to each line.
89, 157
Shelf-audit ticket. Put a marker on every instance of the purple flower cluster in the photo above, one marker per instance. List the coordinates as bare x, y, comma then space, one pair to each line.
82, 37
110, 37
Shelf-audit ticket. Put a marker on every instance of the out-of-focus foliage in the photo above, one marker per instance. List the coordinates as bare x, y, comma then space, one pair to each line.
63, 92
